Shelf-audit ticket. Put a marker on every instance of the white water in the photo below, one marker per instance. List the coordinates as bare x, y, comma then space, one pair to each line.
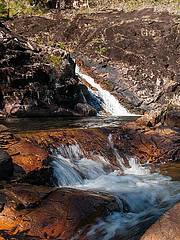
109, 103
71, 167
146, 194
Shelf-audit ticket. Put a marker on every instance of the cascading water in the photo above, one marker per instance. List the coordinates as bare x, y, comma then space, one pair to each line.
109, 103
146, 194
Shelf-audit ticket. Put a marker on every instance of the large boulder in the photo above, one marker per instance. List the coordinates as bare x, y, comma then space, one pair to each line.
167, 227
6, 166
46, 213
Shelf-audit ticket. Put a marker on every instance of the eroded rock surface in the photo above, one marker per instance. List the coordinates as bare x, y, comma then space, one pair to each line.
135, 55
35, 82
167, 227
46, 213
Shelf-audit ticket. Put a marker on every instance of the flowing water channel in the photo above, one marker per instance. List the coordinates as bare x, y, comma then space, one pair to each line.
146, 195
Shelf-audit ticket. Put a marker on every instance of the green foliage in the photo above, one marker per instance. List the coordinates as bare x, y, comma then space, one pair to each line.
9, 8
102, 50
53, 59
61, 45
3, 9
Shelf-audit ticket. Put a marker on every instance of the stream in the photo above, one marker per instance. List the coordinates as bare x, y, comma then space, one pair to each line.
143, 195
146, 195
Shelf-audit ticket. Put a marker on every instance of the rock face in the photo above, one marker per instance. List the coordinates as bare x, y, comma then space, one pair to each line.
26, 159
128, 54
34, 82
6, 166
46, 213
167, 227
134, 55
172, 116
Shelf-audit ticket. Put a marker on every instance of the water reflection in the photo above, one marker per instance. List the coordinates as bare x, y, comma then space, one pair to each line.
34, 124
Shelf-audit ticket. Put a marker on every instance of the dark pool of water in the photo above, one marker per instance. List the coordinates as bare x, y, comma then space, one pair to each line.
34, 124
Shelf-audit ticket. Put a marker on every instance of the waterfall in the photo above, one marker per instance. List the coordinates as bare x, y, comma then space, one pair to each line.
71, 166
146, 194
110, 104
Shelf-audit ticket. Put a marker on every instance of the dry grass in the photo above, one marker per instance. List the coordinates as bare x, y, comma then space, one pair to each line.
172, 6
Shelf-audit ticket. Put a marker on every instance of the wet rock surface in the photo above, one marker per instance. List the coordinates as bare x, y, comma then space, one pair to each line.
46, 213
149, 145
31, 210
167, 227
24, 161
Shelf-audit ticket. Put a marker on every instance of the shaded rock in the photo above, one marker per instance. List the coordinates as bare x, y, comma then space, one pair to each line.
6, 166
172, 118
43, 176
167, 227
35, 82
47, 213
85, 109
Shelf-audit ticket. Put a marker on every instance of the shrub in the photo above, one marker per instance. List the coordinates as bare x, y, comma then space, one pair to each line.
9, 8
53, 59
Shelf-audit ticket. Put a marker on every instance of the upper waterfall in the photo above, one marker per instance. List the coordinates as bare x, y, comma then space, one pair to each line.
110, 104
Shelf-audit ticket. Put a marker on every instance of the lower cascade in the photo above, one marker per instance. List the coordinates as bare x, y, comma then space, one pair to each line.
146, 195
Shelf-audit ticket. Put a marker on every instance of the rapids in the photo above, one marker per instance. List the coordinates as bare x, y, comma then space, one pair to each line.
142, 195
147, 195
